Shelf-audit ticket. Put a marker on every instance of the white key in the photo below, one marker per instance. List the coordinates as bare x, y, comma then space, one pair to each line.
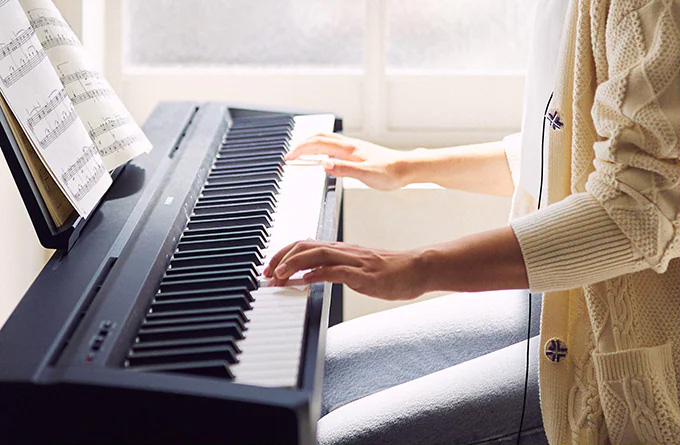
273, 341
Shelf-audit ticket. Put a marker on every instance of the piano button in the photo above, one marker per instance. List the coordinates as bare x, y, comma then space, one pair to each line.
210, 283
166, 356
167, 304
189, 342
172, 315
232, 329
215, 368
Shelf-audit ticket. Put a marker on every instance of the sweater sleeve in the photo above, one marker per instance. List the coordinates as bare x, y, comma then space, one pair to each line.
627, 220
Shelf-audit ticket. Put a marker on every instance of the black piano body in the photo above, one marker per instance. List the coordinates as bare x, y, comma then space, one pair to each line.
57, 387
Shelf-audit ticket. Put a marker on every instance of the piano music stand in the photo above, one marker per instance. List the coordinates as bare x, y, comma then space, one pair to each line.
50, 236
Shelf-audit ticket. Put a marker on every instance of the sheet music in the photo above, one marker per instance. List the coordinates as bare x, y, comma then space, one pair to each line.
55, 200
111, 127
42, 106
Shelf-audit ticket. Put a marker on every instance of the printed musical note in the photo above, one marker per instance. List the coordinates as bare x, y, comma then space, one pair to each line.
16, 43
108, 125
81, 176
60, 128
51, 41
45, 110
19, 57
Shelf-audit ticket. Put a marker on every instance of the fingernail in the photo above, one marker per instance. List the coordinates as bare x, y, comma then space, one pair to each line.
328, 165
280, 270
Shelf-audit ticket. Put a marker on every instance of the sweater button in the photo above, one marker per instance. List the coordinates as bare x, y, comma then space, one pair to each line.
554, 120
555, 349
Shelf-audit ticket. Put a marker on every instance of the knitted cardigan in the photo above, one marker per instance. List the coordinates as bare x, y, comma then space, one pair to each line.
606, 247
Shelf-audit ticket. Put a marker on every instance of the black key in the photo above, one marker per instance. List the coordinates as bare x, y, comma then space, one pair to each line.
230, 222
212, 368
239, 191
200, 274
259, 132
226, 205
251, 151
220, 242
242, 279
261, 121
189, 343
224, 268
248, 198
187, 321
172, 315
232, 329
248, 176
214, 258
182, 355
254, 229
263, 213
165, 303
226, 181
261, 168
248, 160
192, 235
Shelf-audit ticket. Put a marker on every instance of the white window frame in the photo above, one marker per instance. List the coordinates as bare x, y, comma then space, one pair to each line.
395, 108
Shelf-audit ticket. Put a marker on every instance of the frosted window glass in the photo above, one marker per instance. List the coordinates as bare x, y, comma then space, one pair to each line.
459, 35
256, 33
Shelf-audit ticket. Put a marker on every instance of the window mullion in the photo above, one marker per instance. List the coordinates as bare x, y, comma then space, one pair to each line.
375, 116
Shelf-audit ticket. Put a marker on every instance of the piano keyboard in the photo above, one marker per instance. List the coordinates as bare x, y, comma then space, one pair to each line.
210, 317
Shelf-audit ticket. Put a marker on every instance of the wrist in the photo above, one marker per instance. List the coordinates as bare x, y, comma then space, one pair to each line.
405, 167
427, 263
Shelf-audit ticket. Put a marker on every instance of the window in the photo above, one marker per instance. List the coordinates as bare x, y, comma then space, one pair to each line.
401, 72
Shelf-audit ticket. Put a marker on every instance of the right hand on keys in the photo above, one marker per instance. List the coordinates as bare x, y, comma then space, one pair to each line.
378, 167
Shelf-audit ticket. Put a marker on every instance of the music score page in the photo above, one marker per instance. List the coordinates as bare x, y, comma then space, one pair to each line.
40, 103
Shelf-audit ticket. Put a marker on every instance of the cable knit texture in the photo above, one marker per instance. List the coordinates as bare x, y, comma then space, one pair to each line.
606, 247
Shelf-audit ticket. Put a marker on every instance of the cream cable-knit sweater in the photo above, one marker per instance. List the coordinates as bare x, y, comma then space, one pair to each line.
606, 248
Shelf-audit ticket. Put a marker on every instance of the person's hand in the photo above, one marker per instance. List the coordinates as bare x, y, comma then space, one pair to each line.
378, 167
378, 273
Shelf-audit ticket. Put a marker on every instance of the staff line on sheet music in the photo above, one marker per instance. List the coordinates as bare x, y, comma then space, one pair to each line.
108, 125
119, 145
79, 75
46, 109
47, 21
90, 94
17, 74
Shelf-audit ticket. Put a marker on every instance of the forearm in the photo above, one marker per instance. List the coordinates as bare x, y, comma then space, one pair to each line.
484, 261
479, 168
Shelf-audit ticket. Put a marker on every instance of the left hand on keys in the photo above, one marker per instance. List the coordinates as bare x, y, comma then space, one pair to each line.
379, 273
